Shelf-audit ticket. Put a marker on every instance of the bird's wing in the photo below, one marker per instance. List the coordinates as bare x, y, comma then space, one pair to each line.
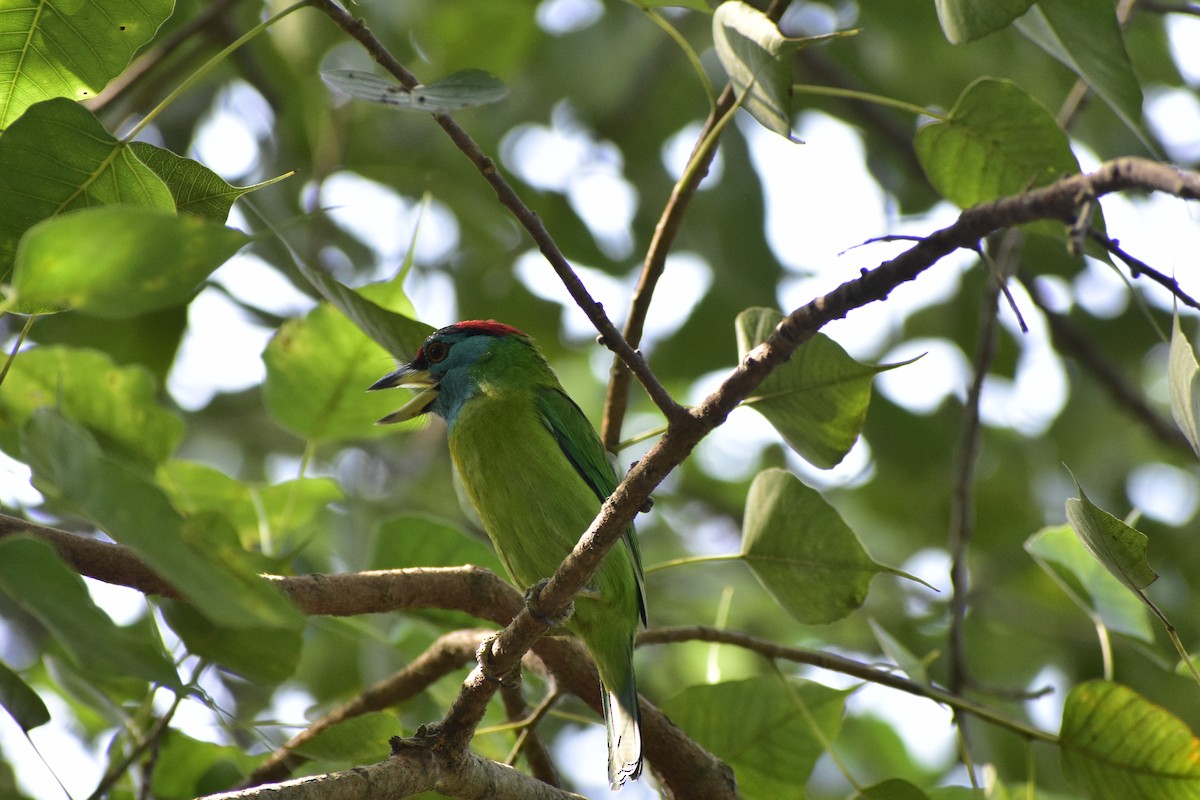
579, 443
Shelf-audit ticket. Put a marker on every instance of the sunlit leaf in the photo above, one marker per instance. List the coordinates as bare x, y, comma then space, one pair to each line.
374, 311
70, 49
757, 58
58, 157
196, 188
1085, 35
1059, 551
318, 371
1183, 381
1117, 745
966, 20
118, 261
801, 551
35, 578
360, 739
121, 403
996, 141
1120, 548
759, 727
459, 90
261, 514
21, 702
818, 400
191, 554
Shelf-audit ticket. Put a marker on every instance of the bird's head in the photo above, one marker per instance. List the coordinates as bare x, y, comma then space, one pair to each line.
444, 363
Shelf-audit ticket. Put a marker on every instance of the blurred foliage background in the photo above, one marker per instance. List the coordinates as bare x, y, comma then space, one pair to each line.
603, 107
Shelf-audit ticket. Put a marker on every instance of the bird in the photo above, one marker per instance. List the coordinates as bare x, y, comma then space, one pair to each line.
537, 474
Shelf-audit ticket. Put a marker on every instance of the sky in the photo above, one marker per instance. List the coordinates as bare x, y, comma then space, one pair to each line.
222, 349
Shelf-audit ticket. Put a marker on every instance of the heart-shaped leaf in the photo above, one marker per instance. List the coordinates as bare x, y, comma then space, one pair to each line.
801, 551
818, 400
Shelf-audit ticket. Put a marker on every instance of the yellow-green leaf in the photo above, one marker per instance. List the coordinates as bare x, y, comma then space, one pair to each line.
1183, 381
1117, 745
801, 551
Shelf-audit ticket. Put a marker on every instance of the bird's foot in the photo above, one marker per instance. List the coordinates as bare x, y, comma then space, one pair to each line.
486, 659
532, 599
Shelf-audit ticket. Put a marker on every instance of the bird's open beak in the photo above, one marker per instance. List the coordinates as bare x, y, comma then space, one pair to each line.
409, 377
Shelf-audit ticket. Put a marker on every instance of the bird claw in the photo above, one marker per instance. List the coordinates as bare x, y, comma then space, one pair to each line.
533, 595
485, 658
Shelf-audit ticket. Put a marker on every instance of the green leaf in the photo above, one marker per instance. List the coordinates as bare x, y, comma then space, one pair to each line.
801, 551
1120, 548
967, 20
69, 49
185, 768
58, 157
757, 58
118, 261
197, 555
318, 371
1183, 380
459, 90
264, 516
196, 188
267, 655
900, 655
1085, 35
894, 789
35, 578
759, 727
1118, 745
21, 701
421, 541
359, 739
818, 400
997, 141
120, 403
373, 310
1060, 553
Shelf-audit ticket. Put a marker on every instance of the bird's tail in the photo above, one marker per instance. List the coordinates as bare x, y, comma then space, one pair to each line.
624, 724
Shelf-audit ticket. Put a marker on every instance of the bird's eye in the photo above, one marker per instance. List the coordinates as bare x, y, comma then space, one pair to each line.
436, 352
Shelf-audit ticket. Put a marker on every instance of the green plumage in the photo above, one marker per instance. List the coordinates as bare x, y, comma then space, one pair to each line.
537, 474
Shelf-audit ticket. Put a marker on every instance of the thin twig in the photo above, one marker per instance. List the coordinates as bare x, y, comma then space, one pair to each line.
528, 742
446, 654
962, 500
616, 401
1137, 268
836, 663
1072, 342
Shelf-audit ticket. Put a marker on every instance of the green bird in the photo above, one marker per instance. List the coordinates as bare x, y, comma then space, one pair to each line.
536, 472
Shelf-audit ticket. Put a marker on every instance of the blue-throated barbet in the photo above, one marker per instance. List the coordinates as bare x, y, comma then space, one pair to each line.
536, 472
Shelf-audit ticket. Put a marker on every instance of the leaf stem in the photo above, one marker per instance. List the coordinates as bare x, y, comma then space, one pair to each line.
868, 97
679, 562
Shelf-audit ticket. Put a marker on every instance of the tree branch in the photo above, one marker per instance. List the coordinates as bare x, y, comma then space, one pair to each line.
835, 663
616, 401
523, 214
447, 653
